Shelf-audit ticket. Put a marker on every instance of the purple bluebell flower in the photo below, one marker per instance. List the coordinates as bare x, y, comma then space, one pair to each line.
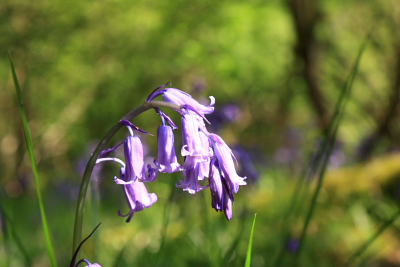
135, 191
191, 174
221, 196
204, 166
133, 152
225, 157
197, 153
192, 142
137, 196
178, 97
133, 175
167, 161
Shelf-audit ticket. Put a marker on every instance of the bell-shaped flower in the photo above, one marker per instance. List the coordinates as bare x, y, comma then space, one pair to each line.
133, 152
137, 196
221, 196
132, 175
191, 174
224, 157
204, 166
178, 97
167, 161
192, 142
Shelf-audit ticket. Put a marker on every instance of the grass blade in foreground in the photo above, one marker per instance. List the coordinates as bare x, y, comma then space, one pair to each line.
29, 145
250, 247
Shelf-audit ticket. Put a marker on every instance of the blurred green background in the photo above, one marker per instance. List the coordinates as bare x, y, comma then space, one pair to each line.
280, 64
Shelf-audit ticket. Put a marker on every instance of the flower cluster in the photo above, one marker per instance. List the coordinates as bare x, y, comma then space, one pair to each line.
206, 155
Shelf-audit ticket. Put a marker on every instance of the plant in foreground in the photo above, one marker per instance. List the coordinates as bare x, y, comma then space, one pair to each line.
205, 154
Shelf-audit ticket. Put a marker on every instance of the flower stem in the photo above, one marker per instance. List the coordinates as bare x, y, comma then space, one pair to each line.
80, 207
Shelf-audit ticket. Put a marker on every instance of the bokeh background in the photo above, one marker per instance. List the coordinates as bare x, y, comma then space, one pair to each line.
276, 69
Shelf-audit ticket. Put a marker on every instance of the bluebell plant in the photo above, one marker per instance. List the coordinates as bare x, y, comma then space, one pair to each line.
206, 156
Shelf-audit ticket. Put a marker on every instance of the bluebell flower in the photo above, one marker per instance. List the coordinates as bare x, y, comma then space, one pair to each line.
133, 153
136, 192
206, 154
137, 196
167, 160
132, 175
191, 174
178, 97
197, 153
191, 139
221, 195
205, 164
224, 158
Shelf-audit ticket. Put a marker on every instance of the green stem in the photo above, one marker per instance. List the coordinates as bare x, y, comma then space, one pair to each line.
80, 208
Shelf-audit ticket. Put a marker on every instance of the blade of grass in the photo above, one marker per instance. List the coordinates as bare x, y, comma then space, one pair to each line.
330, 138
380, 230
318, 162
29, 144
250, 247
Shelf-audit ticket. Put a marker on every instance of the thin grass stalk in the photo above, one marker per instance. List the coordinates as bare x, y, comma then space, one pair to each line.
331, 138
315, 161
315, 196
250, 246
80, 208
299, 190
29, 144
373, 238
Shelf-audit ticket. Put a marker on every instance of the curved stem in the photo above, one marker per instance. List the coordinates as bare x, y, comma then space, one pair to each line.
80, 207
